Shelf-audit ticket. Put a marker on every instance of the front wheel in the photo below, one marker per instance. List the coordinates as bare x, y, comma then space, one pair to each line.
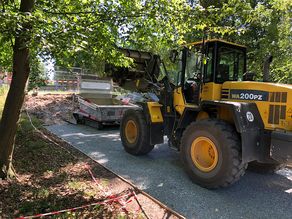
134, 132
211, 153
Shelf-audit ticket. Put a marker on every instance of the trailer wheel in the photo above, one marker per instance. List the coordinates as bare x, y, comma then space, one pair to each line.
211, 153
79, 119
134, 133
264, 167
99, 126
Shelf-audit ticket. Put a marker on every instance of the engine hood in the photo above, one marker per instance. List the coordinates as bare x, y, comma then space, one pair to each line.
274, 101
265, 90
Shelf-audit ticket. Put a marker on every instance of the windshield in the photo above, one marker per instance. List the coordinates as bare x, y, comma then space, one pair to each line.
193, 66
230, 64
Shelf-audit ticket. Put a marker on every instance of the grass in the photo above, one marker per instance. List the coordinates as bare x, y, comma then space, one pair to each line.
53, 92
3, 93
50, 177
3, 89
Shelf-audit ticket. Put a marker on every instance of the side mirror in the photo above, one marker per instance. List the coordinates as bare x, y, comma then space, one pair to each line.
173, 55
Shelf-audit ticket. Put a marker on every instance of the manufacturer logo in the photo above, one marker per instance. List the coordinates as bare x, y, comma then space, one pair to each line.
249, 116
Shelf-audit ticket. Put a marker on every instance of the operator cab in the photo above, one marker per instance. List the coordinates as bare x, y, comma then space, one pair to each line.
214, 61
225, 62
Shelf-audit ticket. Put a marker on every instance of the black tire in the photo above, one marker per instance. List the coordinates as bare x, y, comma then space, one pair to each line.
99, 126
141, 145
229, 166
264, 167
79, 119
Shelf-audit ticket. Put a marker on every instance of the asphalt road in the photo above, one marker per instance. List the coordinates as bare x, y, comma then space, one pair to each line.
161, 175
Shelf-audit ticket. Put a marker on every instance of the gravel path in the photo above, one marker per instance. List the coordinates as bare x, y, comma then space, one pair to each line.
161, 175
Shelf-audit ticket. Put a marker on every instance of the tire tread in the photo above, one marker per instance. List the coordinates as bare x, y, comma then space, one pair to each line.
238, 167
143, 145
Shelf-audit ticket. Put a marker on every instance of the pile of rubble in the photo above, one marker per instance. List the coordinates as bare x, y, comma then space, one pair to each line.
51, 108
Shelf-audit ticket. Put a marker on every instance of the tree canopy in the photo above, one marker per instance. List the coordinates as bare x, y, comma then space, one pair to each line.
87, 32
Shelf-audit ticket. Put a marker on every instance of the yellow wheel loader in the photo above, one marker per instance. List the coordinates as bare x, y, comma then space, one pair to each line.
216, 115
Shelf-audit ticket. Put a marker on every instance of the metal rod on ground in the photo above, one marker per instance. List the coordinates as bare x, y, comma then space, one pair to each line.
136, 198
96, 182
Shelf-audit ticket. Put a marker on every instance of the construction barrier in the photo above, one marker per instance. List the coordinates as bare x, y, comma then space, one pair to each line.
109, 199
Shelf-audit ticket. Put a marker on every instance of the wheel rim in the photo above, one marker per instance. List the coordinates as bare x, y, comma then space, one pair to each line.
204, 154
131, 131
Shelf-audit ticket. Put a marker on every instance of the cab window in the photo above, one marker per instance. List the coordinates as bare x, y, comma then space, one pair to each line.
230, 65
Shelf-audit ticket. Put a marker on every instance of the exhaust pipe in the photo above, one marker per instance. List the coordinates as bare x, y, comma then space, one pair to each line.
266, 68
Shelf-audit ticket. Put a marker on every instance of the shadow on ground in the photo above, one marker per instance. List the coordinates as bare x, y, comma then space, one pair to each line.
50, 177
161, 174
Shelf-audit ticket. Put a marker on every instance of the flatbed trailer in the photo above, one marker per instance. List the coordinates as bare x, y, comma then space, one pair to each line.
96, 113
96, 105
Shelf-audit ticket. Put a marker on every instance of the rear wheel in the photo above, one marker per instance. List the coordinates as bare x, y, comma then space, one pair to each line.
211, 153
134, 133
264, 167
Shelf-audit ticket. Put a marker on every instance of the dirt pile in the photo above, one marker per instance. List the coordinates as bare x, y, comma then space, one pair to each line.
51, 108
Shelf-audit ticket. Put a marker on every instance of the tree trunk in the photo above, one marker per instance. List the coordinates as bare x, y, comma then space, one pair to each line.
16, 93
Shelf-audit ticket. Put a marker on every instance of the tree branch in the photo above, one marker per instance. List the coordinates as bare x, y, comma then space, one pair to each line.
70, 13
